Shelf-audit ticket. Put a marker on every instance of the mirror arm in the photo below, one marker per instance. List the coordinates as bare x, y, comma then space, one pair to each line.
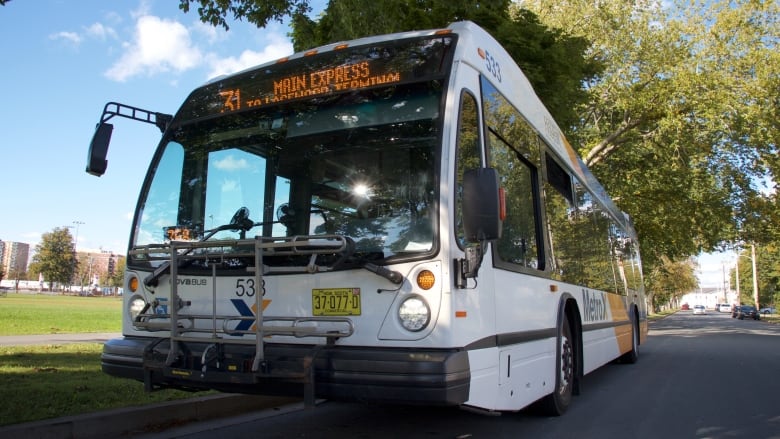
467, 268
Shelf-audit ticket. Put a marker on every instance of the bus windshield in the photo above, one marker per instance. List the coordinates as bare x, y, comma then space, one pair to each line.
359, 162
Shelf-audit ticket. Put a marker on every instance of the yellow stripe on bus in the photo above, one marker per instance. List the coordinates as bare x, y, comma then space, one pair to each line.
617, 306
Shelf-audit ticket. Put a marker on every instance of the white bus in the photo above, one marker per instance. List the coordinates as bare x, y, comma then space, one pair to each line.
391, 219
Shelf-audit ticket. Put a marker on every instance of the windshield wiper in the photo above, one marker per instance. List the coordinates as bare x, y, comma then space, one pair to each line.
391, 275
363, 261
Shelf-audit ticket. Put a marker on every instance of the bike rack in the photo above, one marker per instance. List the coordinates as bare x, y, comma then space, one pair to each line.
187, 327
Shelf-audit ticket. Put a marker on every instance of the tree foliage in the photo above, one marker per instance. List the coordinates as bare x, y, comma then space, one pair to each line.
258, 12
683, 121
669, 279
55, 256
116, 279
768, 271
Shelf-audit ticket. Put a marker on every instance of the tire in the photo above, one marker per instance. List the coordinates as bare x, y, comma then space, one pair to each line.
556, 403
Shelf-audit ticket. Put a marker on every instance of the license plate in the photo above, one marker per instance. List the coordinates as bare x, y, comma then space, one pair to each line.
335, 301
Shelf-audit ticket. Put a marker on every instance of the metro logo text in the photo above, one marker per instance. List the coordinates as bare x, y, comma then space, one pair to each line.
594, 305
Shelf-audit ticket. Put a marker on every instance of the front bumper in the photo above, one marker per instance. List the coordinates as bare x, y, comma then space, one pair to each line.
396, 375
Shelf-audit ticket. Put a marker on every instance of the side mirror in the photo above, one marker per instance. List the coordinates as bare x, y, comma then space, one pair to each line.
482, 205
98, 149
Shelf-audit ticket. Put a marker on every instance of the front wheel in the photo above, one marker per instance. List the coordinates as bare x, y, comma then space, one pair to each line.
556, 403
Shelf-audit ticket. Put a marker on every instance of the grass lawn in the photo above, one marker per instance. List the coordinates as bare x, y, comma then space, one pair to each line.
48, 381
25, 314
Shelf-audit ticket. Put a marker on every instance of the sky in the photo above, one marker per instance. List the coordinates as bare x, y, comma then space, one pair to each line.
63, 61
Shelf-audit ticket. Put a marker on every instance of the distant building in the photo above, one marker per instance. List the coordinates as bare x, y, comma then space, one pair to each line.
709, 297
97, 265
13, 258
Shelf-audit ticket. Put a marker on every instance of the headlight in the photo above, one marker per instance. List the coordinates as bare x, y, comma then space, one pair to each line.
414, 314
135, 306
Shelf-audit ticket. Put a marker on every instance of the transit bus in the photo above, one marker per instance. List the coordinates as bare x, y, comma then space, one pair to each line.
394, 219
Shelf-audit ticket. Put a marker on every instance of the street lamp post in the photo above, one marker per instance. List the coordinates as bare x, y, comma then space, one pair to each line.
77, 223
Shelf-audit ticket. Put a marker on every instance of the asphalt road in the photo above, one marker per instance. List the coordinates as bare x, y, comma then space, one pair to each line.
697, 377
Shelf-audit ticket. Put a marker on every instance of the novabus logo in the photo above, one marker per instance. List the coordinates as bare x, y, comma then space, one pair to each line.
191, 282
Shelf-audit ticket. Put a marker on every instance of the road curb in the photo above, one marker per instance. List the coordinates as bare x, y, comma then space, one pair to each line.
143, 419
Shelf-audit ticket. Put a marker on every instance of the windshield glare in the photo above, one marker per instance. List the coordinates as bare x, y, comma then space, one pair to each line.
361, 165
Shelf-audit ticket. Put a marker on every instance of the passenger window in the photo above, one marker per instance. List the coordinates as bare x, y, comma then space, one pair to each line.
518, 244
513, 150
558, 203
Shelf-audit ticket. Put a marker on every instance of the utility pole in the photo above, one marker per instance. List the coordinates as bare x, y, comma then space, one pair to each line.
755, 276
752, 258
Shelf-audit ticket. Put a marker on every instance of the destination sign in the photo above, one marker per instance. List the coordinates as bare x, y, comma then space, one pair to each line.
327, 73
338, 79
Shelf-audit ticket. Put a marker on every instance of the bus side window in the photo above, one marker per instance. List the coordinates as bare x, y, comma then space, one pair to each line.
620, 254
634, 272
592, 234
467, 155
625, 256
558, 203
513, 150
518, 244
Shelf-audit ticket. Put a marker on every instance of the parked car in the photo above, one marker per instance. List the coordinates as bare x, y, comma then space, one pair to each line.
734, 311
769, 310
685, 307
724, 307
699, 309
748, 311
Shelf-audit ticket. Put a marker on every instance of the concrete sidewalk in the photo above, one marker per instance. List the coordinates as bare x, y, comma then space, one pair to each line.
24, 340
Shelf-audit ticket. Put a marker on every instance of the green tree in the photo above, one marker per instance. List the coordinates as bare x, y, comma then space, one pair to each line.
683, 121
669, 279
55, 256
768, 270
116, 279
33, 271
258, 12
83, 273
